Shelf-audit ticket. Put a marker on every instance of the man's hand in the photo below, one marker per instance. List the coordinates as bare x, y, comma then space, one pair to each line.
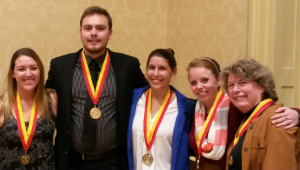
285, 117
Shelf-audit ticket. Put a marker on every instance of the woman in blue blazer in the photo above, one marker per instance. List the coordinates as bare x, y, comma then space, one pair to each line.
160, 119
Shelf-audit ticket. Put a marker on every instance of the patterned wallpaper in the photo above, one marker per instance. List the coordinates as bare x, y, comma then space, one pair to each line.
193, 28
206, 28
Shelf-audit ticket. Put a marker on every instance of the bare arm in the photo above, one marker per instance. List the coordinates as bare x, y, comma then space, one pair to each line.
1, 115
53, 97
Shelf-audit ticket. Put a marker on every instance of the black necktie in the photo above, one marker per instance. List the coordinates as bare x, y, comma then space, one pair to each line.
90, 124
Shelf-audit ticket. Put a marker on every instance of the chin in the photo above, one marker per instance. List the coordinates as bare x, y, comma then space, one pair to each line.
94, 50
243, 108
155, 87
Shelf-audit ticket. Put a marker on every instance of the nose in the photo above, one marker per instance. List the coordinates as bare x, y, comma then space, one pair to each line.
199, 85
236, 88
93, 31
28, 72
156, 72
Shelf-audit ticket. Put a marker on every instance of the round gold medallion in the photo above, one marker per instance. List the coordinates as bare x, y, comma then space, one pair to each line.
147, 159
25, 159
95, 113
230, 160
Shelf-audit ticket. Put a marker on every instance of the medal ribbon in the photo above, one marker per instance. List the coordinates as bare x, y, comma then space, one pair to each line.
211, 115
149, 134
95, 93
25, 135
257, 111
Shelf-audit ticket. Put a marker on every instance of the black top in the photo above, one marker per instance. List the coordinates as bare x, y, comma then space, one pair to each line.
236, 152
41, 149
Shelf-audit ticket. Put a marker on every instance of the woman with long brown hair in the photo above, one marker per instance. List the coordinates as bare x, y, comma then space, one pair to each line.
27, 114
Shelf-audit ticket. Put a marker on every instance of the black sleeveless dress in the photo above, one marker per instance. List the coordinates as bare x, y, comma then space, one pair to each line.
41, 149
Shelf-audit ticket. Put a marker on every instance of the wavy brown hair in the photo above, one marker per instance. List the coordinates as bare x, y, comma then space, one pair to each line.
251, 70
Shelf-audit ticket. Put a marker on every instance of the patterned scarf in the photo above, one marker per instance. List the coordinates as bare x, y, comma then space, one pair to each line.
217, 134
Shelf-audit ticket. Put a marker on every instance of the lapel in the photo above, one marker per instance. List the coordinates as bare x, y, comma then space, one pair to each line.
179, 126
117, 65
67, 74
136, 95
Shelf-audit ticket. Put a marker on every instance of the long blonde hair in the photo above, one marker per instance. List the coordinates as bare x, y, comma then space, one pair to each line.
8, 97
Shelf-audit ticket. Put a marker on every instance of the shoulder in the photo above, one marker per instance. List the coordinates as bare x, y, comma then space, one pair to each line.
265, 118
139, 91
270, 111
187, 103
181, 97
274, 131
66, 57
116, 56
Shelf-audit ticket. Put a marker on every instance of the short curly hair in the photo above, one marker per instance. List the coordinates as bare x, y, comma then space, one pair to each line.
252, 70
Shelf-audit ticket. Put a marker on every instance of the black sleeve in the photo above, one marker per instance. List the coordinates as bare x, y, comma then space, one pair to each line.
51, 73
138, 79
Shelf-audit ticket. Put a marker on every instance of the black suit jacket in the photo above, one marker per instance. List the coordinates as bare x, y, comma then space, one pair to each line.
128, 76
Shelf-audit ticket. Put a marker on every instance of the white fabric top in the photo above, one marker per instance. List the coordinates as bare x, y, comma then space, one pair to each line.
161, 149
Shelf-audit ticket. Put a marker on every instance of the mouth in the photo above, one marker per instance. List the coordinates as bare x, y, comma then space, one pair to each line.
28, 81
202, 93
93, 41
239, 98
155, 80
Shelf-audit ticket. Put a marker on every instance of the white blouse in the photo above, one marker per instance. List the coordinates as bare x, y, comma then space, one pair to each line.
161, 149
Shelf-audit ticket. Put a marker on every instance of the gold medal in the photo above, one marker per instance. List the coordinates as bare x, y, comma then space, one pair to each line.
198, 162
26, 135
25, 159
147, 159
95, 113
230, 160
95, 93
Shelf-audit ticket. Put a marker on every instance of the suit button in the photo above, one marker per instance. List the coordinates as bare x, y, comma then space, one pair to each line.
245, 149
251, 127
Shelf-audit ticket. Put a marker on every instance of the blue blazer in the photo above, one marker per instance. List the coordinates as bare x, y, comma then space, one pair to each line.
184, 120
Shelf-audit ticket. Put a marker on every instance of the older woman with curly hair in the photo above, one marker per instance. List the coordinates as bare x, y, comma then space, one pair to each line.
258, 144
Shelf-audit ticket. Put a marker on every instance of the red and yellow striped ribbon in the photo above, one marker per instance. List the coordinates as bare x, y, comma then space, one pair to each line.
257, 111
25, 135
211, 115
95, 93
149, 134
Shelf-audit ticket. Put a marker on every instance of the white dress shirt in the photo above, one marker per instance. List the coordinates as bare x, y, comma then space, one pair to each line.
161, 149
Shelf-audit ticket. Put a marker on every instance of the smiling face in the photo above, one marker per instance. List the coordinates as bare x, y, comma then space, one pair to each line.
204, 84
95, 34
244, 94
26, 73
159, 73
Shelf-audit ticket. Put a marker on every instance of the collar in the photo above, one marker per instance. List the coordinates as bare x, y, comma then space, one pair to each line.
99, 60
